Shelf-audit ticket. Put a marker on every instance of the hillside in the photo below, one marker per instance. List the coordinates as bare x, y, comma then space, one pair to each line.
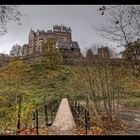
36, 80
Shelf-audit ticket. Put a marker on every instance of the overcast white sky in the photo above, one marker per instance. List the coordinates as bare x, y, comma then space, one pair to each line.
81, 19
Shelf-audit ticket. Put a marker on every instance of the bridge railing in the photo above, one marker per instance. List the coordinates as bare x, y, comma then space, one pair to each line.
81, 115
42, 116
45, 115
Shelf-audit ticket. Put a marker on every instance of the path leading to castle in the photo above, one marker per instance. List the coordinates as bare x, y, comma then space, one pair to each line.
64, 123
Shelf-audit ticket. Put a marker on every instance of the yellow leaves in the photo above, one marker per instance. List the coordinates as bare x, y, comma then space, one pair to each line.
93, 131
113, 119
123, 126
3, 98
96, 130
27, 114
28, 131
52, 74
51, 55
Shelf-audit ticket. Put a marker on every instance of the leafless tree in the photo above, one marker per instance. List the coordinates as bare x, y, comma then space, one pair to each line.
122, 25
16, 51
104, 87
8, 13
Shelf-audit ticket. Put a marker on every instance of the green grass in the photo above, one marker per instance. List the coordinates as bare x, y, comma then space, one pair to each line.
131, 102
39, 81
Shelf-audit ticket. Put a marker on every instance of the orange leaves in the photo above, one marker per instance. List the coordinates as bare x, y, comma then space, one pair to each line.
96, 131
33, 131
93, 131
112, 124
123, 126
27, 131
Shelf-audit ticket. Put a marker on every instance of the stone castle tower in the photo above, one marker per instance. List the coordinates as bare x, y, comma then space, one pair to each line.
104, 52
63, 37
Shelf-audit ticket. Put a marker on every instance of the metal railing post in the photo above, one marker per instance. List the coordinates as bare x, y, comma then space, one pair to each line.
51, 111
19, 113
86, 121
37, 132
46, 115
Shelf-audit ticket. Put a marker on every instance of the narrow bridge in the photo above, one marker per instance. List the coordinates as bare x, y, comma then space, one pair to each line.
59, 118
64, 123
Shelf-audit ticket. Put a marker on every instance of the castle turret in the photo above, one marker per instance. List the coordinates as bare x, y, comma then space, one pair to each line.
32, 42
103, 52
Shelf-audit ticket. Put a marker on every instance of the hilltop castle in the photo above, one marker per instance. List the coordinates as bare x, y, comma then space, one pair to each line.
63, 37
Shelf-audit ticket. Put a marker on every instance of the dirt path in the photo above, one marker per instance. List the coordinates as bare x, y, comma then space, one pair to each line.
132, 118
64, 123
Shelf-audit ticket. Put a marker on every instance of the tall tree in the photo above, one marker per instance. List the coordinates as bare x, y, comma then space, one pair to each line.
132, 55
104, 88
123, 27
51, 55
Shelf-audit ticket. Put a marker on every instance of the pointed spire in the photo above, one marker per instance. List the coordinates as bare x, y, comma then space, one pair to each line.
31, 30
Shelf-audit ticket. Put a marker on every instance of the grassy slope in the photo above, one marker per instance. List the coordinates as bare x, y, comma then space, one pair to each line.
45, 82
37, 81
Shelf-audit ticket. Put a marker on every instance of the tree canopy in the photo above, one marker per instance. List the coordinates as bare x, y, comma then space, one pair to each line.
51, 55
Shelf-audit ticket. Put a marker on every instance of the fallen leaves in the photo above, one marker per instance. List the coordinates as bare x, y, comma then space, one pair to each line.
92, 131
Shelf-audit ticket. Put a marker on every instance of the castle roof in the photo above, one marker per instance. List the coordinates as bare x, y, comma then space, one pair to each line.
49, 31
73, 44
103, 48
40, 32
56, 28
32, 32
61, 28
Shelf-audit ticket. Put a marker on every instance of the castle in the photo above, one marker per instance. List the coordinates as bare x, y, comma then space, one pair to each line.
62, 35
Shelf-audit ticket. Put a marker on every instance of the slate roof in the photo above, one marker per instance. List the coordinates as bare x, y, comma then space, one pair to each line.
73, 44
61, 28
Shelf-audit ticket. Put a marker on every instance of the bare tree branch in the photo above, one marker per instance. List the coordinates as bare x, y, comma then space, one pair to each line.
123, 24
8, 13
